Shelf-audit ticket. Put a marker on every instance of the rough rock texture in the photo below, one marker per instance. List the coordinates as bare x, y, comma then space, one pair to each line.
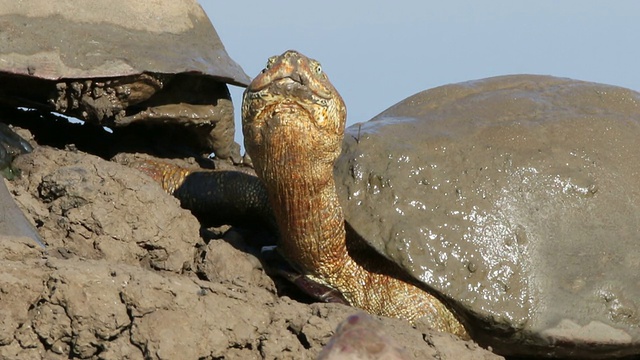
126, 275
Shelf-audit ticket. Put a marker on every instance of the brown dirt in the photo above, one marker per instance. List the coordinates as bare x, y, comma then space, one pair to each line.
127, 275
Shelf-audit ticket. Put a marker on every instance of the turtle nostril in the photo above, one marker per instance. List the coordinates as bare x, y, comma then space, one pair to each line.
290, 53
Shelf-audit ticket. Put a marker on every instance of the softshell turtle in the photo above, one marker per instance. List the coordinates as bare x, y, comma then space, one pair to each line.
119, 62
505, 209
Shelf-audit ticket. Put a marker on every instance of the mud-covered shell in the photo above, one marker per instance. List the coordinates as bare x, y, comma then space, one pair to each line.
98, 39
515, 198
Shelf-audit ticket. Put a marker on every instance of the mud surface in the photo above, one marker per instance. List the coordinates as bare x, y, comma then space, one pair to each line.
127, 275
518, 199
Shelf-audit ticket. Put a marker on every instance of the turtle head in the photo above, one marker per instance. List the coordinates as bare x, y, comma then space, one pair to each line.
292, 104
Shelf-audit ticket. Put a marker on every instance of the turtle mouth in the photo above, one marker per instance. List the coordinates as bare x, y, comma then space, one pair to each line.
291, 85
288, 87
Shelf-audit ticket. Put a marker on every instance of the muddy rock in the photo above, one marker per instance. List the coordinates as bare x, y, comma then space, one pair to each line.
114, 71
75, 196
126, 275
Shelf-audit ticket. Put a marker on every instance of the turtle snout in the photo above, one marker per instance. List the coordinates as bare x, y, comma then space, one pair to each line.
297, 78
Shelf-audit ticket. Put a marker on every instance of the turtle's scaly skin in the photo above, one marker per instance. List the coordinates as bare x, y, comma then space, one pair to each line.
170, 177
214, 197
293, 122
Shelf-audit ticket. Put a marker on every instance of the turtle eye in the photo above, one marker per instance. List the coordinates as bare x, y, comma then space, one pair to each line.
270, 62
317, 68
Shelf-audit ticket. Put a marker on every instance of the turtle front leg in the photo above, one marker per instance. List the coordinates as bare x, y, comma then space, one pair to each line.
215, 197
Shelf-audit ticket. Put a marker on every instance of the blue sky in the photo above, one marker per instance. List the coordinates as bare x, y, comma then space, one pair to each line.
377, 55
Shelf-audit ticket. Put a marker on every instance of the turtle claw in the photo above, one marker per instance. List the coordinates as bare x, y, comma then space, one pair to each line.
306, 284
315, 289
